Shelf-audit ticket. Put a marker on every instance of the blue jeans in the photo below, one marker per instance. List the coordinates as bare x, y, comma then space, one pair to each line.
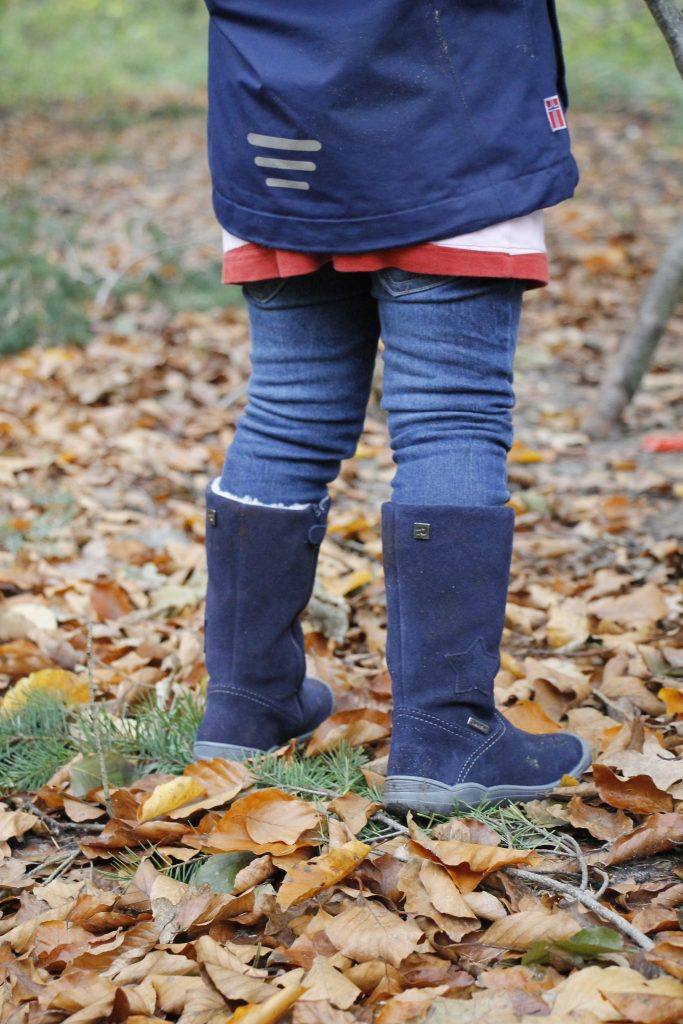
449, 345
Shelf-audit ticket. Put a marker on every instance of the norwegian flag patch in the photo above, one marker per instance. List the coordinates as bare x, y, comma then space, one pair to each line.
554, 113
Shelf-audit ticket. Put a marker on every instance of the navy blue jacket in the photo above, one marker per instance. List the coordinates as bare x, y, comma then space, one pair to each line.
352, 125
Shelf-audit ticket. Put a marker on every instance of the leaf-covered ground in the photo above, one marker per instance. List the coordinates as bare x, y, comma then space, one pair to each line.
137, 887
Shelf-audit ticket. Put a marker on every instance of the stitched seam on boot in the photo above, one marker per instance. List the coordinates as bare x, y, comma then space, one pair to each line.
431, 720
256, 700
476, 754
398, 626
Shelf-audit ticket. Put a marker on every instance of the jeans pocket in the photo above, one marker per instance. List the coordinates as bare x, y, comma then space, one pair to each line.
407, 282
261, 292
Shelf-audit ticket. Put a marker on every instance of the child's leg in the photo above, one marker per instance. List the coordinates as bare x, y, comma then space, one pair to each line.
449, 352
447, 539
314, 340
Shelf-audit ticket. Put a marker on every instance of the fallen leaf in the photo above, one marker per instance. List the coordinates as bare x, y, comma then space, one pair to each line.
673, 699
355, 727
638, 794
467, 863
647, 1008
310, 877
601, 823
325, 982
658, 833
267, 821
269, 1011
586, 990
530, 717
368, 931
354, 810
168, 796
14, 824
521, 930
53, 682
643, 604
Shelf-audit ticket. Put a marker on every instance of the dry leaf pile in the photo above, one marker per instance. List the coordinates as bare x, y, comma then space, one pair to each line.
201, 897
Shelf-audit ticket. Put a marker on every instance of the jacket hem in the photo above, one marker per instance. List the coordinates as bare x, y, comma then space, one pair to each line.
515, 197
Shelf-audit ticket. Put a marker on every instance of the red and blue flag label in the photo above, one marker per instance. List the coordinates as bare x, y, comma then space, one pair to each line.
554, 113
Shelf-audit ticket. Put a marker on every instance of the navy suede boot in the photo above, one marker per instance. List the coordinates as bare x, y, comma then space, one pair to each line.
262, 563
447, 570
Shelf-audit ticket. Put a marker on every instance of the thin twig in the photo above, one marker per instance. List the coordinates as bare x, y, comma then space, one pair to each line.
578, 852
589, 901
50, 824
391, 822
603, 884
66, 863
96, 726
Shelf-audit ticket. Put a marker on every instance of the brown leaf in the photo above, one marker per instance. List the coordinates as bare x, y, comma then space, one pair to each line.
236, 985
354, 810
308, 878
658, 833
637, 794
646, 1008
420, 901
467, 863
530, 717
110, 601
663, 767
14, 824
366, 930
644, 604
521, 930
325, 982
356, 727
409, 1005
601, 823
267, 821
588, 990
668, 953
257, 871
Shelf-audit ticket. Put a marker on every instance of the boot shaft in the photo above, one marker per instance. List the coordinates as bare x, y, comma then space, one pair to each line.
447, 570
261, 564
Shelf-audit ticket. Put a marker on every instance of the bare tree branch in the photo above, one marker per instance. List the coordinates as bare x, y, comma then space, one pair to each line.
629, 365
625, 372
669, 17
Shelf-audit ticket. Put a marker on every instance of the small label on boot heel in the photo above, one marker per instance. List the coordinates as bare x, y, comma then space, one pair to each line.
420, 531
212, 516
481, 727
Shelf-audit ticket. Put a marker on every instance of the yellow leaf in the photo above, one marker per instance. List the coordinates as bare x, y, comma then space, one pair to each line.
310, 877
520, 453
54, 682
673, 699
271, 1010
169, 795
352, 581
568, 780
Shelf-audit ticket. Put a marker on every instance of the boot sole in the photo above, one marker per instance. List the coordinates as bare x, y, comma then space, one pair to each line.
232, 752
403, 793
204, 750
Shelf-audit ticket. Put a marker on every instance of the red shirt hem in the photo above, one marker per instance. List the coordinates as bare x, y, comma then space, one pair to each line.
251, 262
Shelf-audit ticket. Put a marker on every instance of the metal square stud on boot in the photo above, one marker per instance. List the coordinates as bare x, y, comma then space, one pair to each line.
262, 562
445, 616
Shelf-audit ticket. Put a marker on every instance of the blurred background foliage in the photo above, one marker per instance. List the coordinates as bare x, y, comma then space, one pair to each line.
103, 50
110, 63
